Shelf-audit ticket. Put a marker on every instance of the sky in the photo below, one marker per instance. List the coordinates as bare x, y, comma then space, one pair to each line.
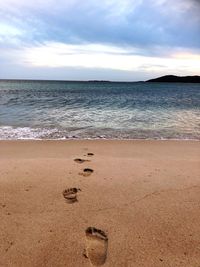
119, 40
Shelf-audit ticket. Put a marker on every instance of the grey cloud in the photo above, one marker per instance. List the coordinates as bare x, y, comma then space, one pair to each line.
145, 25
152, 28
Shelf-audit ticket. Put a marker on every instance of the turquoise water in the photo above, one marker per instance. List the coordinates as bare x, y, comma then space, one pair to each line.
59, 110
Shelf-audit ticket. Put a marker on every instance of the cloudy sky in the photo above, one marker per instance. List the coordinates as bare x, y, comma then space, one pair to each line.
126, 40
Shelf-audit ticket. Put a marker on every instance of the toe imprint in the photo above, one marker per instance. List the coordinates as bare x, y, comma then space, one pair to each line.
96, 245
70, 194
80, 160
90, 154
86, 172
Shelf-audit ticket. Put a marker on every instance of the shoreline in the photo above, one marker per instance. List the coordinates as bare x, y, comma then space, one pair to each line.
144, 195
100, 139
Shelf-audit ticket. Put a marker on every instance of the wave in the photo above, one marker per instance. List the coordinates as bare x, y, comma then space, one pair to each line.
28, 133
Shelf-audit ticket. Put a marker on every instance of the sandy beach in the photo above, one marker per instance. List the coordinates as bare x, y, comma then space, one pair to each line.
142, 197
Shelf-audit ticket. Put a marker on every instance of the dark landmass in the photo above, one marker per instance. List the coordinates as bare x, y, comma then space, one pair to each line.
176, 79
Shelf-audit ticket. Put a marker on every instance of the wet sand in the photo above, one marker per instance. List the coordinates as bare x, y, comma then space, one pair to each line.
141, 197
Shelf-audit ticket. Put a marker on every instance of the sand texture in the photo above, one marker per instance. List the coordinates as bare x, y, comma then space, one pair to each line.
99, 203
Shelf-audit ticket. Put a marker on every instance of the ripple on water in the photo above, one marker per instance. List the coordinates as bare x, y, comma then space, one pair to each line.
58, 110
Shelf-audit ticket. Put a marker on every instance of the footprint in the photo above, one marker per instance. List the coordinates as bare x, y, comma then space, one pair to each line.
70, 194
90, 154
9, 246
96, 246
80, 160
87, 172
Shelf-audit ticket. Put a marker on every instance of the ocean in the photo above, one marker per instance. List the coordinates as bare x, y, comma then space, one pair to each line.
92, 110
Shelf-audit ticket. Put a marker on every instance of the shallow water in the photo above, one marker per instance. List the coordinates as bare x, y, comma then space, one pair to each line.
59, 110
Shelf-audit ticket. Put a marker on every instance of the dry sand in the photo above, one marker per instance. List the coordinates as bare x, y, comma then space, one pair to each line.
143, 195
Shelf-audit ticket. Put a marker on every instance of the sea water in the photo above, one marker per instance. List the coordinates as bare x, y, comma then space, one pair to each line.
110, 110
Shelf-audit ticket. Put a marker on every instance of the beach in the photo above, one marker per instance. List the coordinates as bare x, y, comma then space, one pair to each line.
143, 195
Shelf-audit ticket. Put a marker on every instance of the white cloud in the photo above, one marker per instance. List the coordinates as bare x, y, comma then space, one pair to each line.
8, 31
10, 34
102, 56
137, 29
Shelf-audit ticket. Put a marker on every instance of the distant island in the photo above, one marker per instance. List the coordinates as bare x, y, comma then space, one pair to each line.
176, 79
98, 81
